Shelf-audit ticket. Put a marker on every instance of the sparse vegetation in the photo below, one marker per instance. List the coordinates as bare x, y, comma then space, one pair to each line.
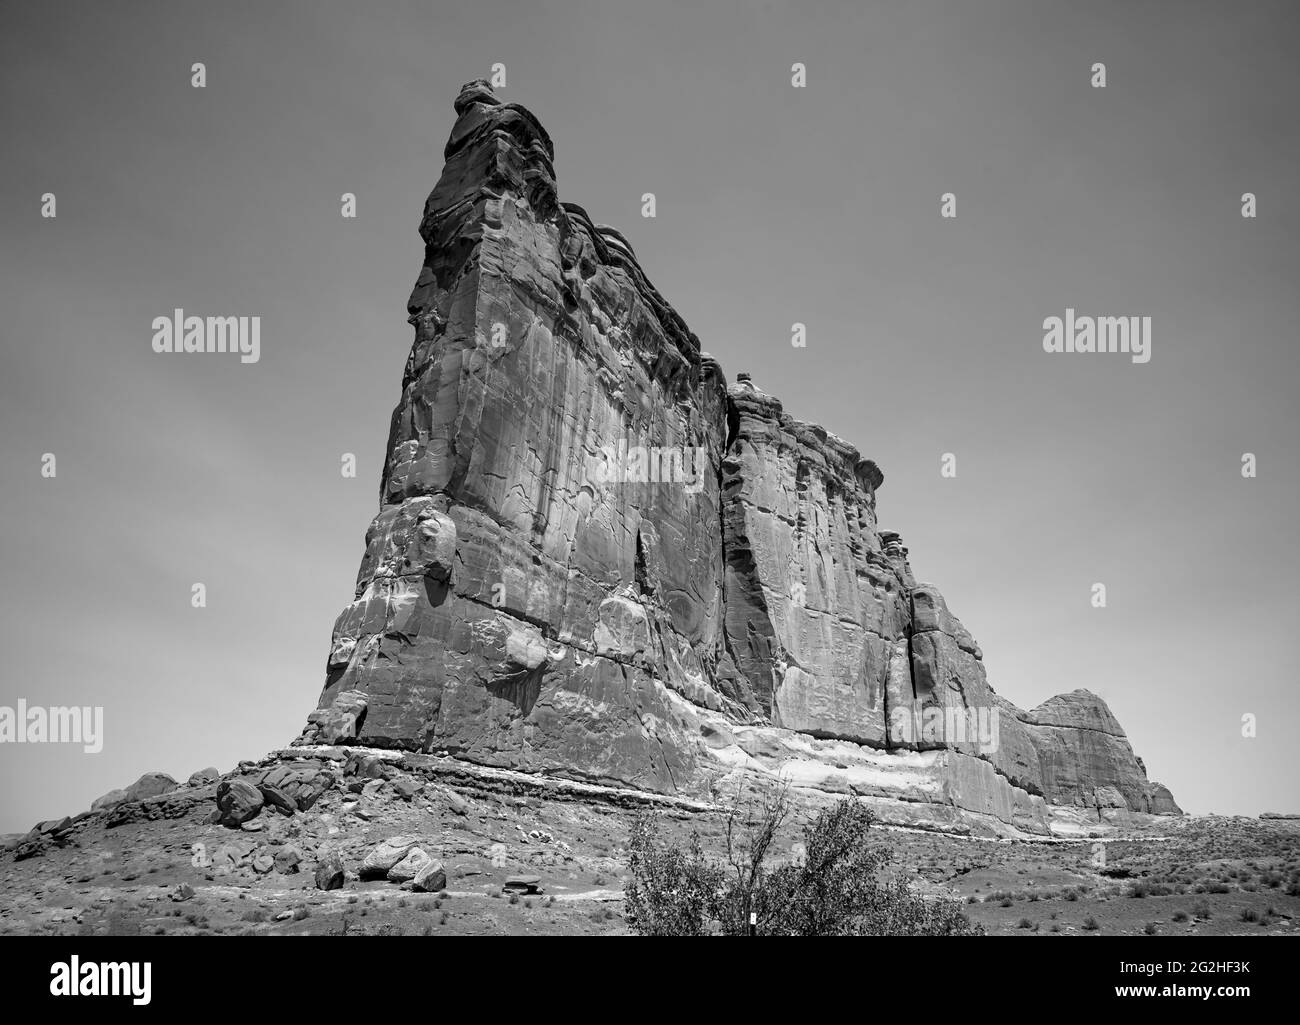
838, 888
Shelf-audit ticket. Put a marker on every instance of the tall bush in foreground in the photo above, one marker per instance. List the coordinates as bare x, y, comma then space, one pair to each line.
838, 888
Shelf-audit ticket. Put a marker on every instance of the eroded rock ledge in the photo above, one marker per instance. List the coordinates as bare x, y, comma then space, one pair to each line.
518, 607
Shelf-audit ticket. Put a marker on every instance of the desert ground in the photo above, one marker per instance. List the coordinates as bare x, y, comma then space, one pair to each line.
165, 866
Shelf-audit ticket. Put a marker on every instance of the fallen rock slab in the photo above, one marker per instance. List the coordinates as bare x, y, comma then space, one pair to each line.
378, 862
409, 867
431, 878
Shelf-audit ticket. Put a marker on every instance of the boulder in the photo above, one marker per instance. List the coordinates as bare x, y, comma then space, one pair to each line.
378, 862
113, 797
32, 845
203, 777
151, 784
274, 797
230, 856
406, 788
238, 801
287, 858
329, 872
431, 878
367, 766
409, 867
303, 786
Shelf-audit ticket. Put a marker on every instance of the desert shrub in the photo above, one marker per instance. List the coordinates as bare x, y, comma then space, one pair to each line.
1249, 915
1150, 929
671, 888
839, 888
344, 928
1090, 924
1180, 916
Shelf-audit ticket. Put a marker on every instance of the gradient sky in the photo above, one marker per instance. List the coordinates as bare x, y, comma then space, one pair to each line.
775, 205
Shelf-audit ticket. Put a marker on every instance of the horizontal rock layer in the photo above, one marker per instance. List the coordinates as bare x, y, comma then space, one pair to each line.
595, 559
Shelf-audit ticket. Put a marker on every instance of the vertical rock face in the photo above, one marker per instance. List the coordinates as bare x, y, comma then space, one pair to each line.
593, 558
521, 603
812, 605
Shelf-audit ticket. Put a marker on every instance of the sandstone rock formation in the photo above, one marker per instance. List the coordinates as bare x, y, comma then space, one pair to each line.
595, 559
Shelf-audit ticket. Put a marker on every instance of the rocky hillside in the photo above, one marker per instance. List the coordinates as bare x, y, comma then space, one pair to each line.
595, 559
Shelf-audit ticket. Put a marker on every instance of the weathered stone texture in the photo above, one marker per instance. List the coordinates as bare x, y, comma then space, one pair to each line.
521, 604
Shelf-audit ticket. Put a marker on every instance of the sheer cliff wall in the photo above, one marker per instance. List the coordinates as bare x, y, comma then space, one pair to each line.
594, 558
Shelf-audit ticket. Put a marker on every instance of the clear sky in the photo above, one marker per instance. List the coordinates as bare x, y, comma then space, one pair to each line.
775, 205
